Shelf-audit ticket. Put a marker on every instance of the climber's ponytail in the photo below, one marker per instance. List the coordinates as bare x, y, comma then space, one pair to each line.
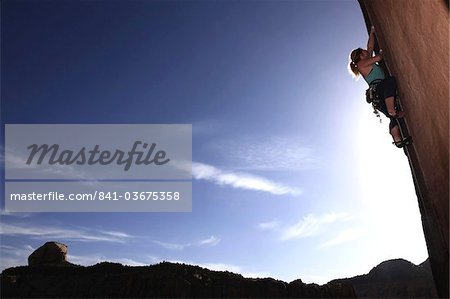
353, 64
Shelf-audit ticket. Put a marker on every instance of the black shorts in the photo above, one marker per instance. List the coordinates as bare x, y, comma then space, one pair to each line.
385, 89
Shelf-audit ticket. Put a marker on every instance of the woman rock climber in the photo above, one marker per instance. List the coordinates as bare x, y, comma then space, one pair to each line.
362, 62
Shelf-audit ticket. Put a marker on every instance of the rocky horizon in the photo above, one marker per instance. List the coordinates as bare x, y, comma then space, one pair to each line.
50, 275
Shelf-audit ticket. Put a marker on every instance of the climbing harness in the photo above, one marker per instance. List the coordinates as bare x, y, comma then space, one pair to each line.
372, 97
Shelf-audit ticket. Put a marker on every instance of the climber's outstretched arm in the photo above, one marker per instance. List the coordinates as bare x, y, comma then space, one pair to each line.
371, 41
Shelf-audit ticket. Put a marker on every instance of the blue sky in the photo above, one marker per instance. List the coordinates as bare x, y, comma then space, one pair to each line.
285, 149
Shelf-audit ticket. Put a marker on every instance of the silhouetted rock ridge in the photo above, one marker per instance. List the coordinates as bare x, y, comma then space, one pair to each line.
395, 279
164, 280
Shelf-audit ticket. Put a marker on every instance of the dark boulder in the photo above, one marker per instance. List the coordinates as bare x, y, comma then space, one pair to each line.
51, 253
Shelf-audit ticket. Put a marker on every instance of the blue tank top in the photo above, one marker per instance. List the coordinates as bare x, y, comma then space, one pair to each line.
376, 73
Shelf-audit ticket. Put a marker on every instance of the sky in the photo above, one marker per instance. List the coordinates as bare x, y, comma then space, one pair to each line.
293, 175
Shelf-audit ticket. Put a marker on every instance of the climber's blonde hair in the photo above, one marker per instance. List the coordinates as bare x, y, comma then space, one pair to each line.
353, 64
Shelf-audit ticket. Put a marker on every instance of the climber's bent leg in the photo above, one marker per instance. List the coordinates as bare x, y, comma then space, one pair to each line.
390, 105
395, 133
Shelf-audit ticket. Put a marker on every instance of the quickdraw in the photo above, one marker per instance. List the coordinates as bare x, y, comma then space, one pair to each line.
372, 96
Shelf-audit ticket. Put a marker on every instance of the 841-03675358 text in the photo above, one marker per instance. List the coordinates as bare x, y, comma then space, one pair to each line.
103, 196
100, 195
114, 167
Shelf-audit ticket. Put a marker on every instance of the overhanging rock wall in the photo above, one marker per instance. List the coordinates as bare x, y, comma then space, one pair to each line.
414, 36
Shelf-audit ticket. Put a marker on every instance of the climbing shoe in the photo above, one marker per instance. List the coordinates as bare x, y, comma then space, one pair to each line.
404, 142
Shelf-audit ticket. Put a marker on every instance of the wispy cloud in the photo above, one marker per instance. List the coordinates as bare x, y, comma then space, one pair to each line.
13, 160
240, 180
270, 225
5, 213
12, 256
272, 153
172, 246
34, 231
211, 241
17, 251
16, 161
342, 237
310, 225
207, 127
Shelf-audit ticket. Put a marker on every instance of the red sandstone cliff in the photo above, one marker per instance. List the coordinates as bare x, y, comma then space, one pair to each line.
414, 36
